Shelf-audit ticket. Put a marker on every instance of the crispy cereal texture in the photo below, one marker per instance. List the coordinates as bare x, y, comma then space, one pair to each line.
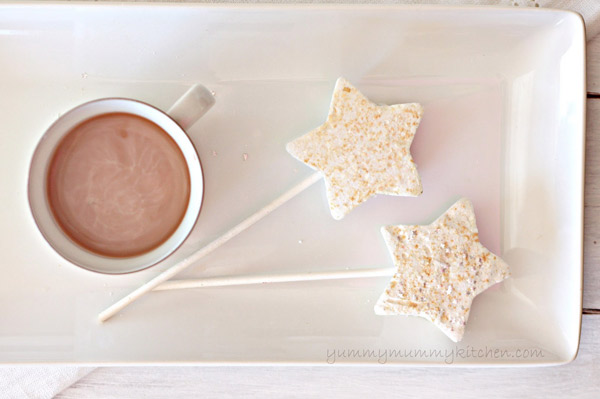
362, 149
441, 268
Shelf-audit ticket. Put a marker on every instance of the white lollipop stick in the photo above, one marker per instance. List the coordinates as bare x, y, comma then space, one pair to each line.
275, 278
177, 268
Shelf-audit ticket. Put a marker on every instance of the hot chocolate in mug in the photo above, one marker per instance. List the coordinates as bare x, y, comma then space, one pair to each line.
115, 185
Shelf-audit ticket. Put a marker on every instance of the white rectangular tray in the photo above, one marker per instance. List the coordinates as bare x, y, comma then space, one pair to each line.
504, 98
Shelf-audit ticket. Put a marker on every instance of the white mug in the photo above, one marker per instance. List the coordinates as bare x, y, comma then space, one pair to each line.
187, 110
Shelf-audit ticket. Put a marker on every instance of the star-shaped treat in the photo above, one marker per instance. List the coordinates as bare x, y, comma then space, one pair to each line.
362, 149
441, 268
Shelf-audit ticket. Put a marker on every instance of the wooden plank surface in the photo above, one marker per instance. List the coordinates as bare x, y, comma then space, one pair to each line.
579, 379
591, 263
593, 65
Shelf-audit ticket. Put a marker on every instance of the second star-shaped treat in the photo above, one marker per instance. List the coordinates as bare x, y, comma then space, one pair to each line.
441, 268
362, 149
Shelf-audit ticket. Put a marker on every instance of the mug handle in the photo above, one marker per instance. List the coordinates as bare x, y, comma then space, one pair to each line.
191, 106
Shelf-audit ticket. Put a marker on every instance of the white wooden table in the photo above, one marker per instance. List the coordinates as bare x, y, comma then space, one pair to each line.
579, 379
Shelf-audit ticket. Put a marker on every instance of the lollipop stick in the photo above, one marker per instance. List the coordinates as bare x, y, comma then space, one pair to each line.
275, 278
177, 268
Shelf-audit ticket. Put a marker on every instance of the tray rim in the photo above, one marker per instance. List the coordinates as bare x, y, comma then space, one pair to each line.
581, 39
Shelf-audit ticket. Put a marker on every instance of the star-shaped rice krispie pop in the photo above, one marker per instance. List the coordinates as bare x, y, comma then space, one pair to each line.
362, 149
441, 268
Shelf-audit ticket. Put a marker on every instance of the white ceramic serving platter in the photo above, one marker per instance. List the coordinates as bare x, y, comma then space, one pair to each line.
503, 91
